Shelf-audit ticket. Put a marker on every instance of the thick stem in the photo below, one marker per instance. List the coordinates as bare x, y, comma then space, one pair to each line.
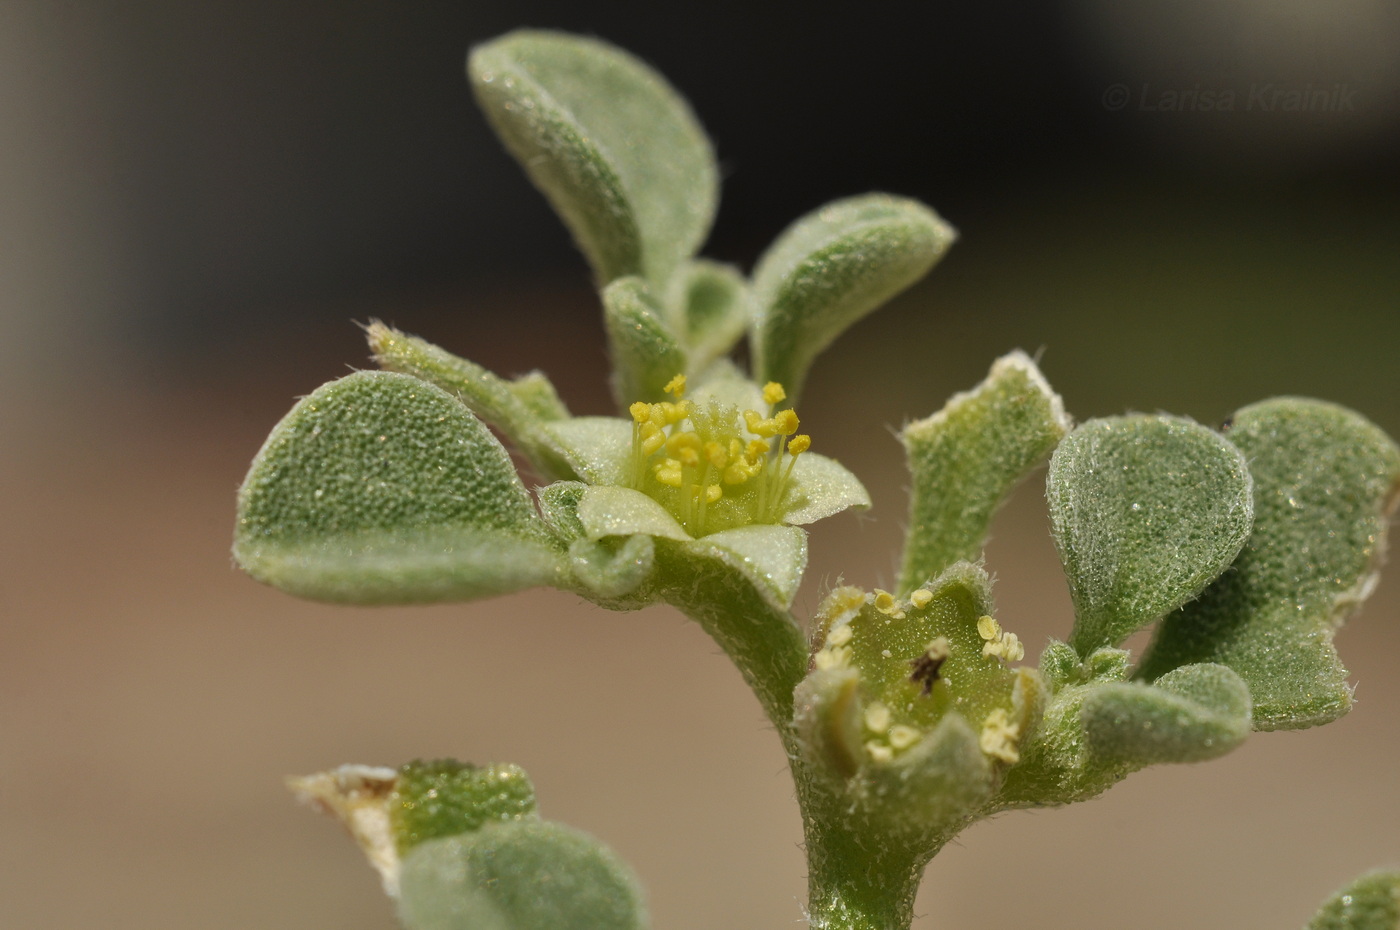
854, 887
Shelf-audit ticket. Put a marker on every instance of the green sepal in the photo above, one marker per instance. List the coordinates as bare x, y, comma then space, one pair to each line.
613, 147
1371, 902
611, 569
827, 722
1325, 479
1190, 714
821, 487
965, 459
829, 269
519, 409
645, 353
1146, 511
525, 875
709, 310
381, 488
772, 558
443, 797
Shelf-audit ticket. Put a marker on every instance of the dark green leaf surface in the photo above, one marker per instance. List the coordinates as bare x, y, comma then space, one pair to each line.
709, 309
829, 269
1146, 511
526, 875
1324, 478
615, 149
966, 458
444, 797
381, 488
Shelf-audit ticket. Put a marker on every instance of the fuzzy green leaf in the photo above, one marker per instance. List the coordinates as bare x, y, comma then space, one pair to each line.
1191, 714
709, 310
519, 409
832, 267
1146, 511
645, 354
526, 875
1324, 480
381, 488
613, 147
1372, 902
597, 449
771, 557
966, 458
444, 797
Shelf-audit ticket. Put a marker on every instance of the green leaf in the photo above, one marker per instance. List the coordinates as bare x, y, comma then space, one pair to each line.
519, 409
829, 269
1372, 902
1190, 714
381, 488
613, 147
444, 797
1324, 481
966, 458
820, 487
710, 310
645, 354
527, 875
1146, 511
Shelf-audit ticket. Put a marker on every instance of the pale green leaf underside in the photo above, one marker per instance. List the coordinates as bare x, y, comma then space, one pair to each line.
1146, 511
1191, 714
819, 488
519, 409
966, 458
644, 351
381, 488
1372, 902
829, 269
773, 557
527, 875
709, 309
615, 149
612, 511
1323, 479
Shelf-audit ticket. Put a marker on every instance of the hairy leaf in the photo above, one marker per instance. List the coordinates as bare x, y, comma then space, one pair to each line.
966, 458
1324, 478
1372, 902
613, 147
526, 875
444, 797
829, 269
381, 488
709, 310
645, 354
1190, 714
1146, 511
519, 409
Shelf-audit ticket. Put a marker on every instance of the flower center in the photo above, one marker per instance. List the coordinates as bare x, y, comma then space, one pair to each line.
711, 466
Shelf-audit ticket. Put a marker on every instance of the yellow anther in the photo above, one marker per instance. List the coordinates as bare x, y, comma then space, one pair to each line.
713, 493
840, 636
688, 456
669, 473
641, 411
902, 737
756, 450
877, 717
737, 473
879, 752
653, 442
920, 598
675, 387
999, 736
884, 600
988, 628
715, 454
799, 444
832, 658
773, 393
679, 441
785, 422
758, 424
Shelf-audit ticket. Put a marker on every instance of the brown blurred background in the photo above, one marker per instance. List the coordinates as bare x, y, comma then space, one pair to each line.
199, 198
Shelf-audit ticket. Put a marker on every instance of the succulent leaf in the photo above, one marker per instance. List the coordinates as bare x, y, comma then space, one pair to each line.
644, 350
966, 458
1190, 714
832, 267
381, 488
1324, 481
613, 147
443, 797
1146, 511
710, 309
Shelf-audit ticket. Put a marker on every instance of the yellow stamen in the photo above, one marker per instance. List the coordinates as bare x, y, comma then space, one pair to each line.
773, 393
799, 444
641, 411
675, 387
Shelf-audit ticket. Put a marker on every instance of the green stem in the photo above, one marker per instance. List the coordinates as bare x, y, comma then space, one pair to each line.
853, 885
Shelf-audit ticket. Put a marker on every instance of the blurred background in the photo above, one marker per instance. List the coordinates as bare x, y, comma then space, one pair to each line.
1183, 207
